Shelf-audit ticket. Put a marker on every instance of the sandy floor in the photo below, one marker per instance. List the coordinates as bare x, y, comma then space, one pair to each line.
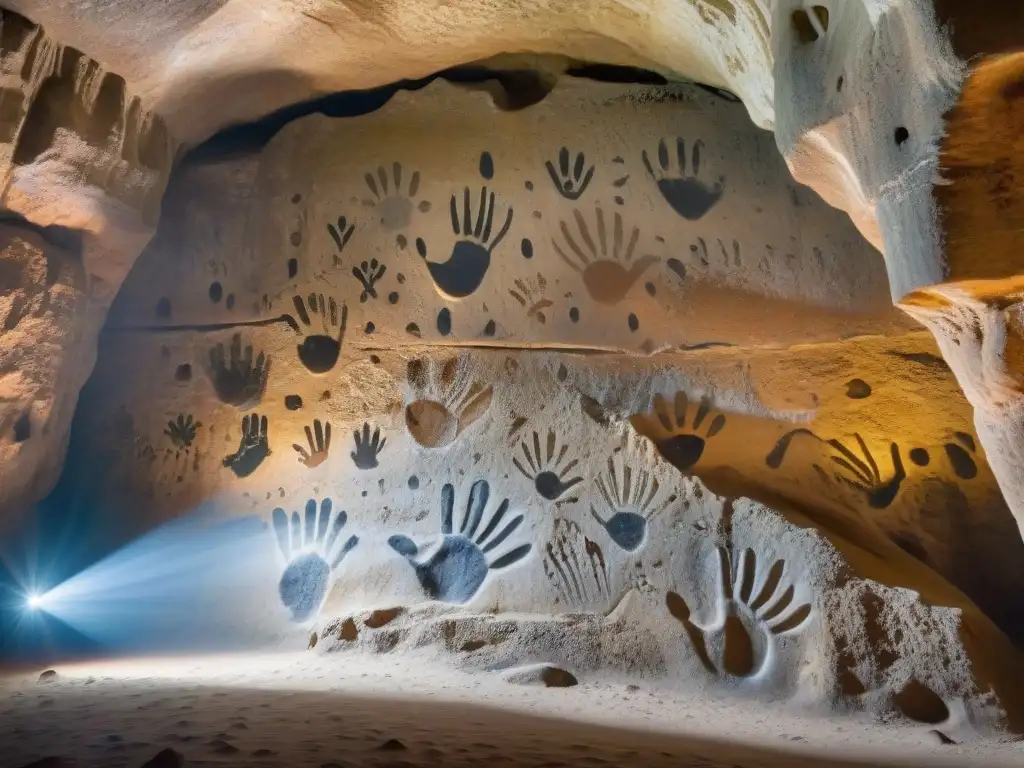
312, 710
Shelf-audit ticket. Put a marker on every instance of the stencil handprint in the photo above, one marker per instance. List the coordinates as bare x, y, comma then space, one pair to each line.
681, 445
630, 497
606, 264
549, 467
319, 441
390, 202
570, 183
754, 609
319, 352
444, 403
470, 258
182, 431
864, 475
367, 447
253, 447
237, 379
458, 566
688, 196
312, 555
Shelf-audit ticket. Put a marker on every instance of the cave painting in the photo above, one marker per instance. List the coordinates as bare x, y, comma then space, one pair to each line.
392, 204
754, 608
688, 196
253, 446
457, 568
319, 352
575, 566
476, 240
572, 182
548, 467
447, 401
312, 548
368, 273
681, 444
237, 378
606, 263
340, 234
630, 497
368, 447
862, 472
529, 293
318, 442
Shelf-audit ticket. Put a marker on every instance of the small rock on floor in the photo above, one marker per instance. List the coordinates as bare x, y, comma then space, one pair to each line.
166, 758
547, 675
940, 737
48, 676
392, 745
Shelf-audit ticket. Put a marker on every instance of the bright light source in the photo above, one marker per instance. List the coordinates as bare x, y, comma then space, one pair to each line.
35, 601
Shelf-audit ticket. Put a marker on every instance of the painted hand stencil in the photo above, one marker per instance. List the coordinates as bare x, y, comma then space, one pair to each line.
446, 402
570, 183
367, 447
688, 196
236, 378
458, 566
319, 441
253, 447
389, 201
630, 499
319, 352
575, 566
681, 445
740, 641
864, 475
312, 549
608, 269
470, 258
549, 473
182, 431
529, 294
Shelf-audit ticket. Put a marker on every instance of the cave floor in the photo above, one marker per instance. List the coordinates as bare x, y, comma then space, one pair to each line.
353, 710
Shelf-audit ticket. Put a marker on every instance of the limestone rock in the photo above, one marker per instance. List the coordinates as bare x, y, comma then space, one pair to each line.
541, 674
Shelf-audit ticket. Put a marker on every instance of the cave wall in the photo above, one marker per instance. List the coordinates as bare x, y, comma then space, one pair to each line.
600, 354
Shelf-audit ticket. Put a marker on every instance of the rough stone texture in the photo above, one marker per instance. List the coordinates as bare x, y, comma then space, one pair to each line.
47, 328
650, 393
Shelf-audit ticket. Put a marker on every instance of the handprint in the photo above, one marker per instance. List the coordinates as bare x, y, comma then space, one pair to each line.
864, 474
182, 431
367, 448
253, 447
318, 447
570, 185
236, 379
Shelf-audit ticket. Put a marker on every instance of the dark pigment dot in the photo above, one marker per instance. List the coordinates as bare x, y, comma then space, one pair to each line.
325, 395
651, 290
421, 248
490, 328
292, 402
574, 314
527, 248
402, 241
363, 494
414, 483
293, 267
529, 186
393, 297
370, 328
163, 307
920, 457
296, 198
444, 321
634, 322
401, 279
183, 373
216, 292
413, 330
839, 83
374, 359
901, 135
487, 165
295, 238
230, 303
563, 372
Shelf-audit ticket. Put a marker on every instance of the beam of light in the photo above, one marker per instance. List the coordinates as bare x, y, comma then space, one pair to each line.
34, 601
175, 587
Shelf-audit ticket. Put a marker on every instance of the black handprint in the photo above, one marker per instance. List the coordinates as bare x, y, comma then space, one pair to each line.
367, 448
253, 448
865, 475
236, 379
368, 273
318, 448
570, 185
182, 431
341, 235
683, 190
